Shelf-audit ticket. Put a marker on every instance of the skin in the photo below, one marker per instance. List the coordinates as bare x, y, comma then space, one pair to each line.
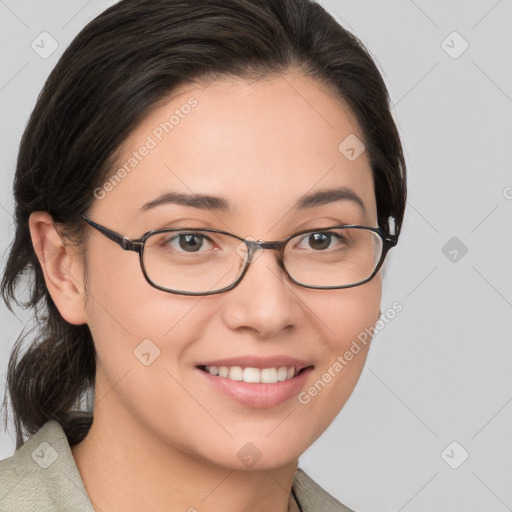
167, 440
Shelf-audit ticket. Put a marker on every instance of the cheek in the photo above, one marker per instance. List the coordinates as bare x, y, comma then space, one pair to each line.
345, 320
125, 311
141, 335
121, 301
344, 314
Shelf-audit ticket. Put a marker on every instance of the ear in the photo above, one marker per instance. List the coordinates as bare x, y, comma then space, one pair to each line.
62, 268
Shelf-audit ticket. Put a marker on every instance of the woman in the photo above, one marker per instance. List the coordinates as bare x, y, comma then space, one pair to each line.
183, 191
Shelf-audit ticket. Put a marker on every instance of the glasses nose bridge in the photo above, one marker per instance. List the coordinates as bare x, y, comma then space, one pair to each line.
258, 245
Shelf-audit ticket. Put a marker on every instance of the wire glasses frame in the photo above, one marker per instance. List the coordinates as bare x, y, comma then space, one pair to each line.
138, 246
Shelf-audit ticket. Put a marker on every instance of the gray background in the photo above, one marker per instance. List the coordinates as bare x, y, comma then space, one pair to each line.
441, 370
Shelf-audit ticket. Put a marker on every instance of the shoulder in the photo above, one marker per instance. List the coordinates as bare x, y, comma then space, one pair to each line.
42, 475
311, 497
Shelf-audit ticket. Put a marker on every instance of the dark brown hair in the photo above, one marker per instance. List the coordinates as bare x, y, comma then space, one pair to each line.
119, 67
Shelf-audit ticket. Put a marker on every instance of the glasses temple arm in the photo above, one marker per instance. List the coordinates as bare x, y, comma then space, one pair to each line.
125, 243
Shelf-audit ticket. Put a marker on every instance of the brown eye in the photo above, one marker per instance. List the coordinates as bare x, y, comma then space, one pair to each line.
319, 241
188, 242
191, 242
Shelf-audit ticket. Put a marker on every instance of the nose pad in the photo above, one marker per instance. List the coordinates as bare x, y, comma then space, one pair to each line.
249, 252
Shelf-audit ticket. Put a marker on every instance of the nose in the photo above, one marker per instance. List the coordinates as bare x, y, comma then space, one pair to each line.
263, 302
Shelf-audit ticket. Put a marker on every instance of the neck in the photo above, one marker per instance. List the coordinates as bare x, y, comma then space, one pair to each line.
127, 468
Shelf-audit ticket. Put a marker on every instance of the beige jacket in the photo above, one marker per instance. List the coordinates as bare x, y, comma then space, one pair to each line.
42, 476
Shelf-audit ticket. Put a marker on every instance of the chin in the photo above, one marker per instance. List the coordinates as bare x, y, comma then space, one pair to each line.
257, 453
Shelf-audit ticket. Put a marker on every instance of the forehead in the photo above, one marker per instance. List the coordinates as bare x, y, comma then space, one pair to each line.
261, 144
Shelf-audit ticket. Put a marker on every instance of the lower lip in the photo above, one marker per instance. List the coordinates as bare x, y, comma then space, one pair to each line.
258, 395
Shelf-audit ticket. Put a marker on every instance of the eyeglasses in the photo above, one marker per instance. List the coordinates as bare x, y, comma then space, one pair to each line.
190, 261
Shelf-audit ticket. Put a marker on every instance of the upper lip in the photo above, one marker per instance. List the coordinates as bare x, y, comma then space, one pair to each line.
259, 362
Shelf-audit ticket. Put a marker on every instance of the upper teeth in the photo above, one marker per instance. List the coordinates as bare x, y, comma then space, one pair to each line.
264, 375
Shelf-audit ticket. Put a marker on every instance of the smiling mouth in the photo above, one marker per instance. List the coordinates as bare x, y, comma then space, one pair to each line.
269, 375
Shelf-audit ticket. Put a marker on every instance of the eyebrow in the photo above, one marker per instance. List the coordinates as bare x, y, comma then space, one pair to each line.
326, 196
202, 201
207, 202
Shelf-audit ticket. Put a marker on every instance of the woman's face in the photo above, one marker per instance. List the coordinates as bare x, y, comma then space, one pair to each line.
259, 147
